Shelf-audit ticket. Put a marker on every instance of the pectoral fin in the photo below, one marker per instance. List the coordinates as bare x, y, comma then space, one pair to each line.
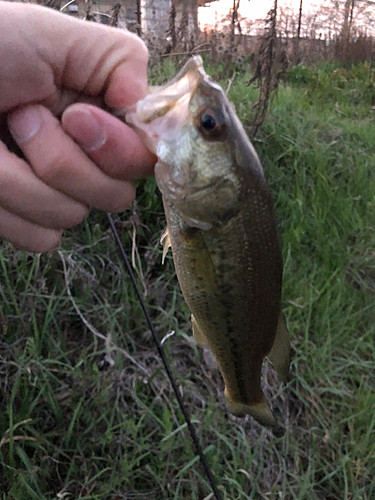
165, 240
279, 355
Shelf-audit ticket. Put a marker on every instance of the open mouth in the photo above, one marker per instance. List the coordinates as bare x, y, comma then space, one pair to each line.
166, 108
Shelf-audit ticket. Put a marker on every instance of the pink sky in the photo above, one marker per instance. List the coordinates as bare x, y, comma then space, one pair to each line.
364, 14
253, 9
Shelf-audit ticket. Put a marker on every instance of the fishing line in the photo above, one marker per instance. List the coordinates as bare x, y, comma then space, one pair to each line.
160, 349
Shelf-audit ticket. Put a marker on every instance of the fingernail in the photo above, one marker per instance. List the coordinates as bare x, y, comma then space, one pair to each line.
84, 128
24, 123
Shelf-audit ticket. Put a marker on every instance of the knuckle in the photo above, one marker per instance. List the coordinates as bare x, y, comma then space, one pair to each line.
141, 50
136, 46
54, 169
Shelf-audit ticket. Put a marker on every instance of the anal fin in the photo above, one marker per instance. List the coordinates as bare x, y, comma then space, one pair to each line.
201, 340
199, 337
279, 355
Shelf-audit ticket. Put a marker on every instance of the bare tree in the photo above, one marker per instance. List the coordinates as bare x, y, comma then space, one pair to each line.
138, 15
299, 20
172, 24
235, 21
264, 73
345, 33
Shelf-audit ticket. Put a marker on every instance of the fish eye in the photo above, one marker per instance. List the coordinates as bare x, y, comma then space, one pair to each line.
208, 122
211, 124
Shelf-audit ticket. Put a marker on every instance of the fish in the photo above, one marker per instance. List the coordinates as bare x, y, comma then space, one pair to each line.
222, 230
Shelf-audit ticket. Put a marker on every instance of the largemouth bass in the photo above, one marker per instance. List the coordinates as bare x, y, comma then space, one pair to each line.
222, 230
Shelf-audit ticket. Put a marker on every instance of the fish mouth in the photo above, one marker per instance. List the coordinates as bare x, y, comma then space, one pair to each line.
167, 107
163, 99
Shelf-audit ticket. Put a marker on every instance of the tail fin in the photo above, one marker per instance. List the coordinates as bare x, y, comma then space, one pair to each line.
261, 412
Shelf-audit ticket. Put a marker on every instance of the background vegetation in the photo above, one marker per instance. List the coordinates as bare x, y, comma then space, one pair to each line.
86, 410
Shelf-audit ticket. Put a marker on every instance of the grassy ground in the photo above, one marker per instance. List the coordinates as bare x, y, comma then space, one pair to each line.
86, 410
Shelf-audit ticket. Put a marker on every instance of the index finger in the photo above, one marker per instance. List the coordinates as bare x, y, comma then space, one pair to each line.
119, 152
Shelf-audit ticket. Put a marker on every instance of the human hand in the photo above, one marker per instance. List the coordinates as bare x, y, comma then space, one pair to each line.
76, 155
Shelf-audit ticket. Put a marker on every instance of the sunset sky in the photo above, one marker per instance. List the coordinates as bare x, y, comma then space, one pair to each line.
253, 9
364, 13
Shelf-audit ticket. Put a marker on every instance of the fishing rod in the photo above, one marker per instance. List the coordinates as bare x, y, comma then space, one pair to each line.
163, 357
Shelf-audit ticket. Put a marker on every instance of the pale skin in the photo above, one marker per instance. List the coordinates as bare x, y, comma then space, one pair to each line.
60, 152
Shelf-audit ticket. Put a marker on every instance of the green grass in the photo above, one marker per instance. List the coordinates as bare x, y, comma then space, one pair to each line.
79, 419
